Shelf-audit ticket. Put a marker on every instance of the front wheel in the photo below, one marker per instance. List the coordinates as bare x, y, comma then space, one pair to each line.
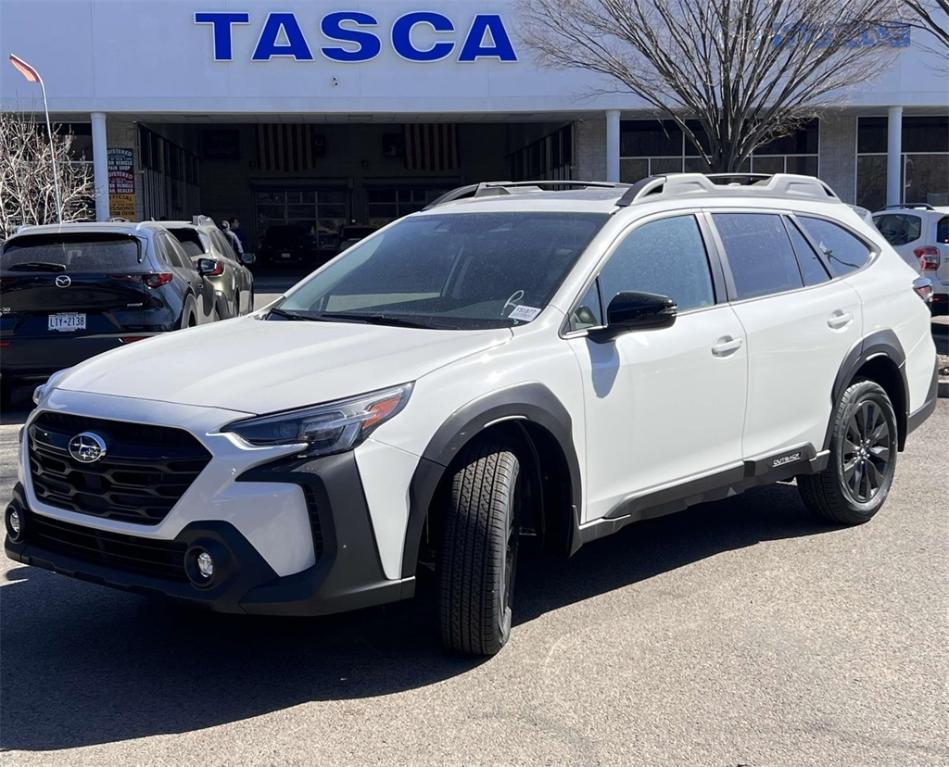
862, 462
479, 551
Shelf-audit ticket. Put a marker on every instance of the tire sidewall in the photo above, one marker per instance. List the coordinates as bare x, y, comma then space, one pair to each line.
861, 392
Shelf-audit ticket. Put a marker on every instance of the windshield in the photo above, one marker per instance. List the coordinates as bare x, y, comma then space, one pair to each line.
458, 271
71, 253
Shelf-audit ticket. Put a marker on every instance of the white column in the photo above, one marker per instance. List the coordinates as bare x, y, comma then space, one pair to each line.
612, 144
894, 156
100, 165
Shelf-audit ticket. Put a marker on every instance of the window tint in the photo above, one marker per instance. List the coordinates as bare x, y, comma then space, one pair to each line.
844, 252
759, 253
223, 245
942, 229
899, 228
71, 253
587, 313
173, 253
666, 257
812, 269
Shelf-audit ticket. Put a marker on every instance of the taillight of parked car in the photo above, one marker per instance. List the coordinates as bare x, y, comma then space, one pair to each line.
928, 257
150, 280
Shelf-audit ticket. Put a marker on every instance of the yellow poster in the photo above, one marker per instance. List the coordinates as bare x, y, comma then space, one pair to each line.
122, 206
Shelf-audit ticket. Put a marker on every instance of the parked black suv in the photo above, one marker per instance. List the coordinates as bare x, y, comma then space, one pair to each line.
70, 292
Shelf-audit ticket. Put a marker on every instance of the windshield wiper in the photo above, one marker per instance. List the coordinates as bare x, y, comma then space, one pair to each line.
38, 266
374, 319
295, 315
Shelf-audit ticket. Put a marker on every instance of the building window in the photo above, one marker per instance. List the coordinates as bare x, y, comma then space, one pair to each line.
547, 158
386, 204
654, 147
321, 211
924, 166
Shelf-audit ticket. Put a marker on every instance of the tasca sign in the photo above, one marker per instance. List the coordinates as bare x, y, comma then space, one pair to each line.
357, 36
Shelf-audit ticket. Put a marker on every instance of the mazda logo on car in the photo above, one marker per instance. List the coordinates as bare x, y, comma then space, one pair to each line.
63, 281
87, 447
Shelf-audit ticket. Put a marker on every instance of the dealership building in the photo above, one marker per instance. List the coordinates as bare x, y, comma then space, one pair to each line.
318, 114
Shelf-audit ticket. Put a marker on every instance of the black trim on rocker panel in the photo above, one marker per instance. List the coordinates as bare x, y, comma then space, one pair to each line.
534, 403
789, 463
882, 343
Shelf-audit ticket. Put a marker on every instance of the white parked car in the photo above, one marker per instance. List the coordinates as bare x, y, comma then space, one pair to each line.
509, 361
920, 234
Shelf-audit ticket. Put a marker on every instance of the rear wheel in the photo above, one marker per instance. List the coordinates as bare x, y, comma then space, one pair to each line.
479, 551
862, 464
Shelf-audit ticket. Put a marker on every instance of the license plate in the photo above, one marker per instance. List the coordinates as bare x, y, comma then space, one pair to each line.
67, 322
284, 255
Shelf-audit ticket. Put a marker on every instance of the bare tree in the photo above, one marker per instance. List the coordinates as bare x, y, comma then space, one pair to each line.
732, 74
933, 16
27, 182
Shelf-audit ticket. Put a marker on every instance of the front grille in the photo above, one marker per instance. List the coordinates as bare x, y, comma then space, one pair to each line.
128, 553
145, 471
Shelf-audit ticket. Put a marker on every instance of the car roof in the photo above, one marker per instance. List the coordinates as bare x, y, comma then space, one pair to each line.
131, 228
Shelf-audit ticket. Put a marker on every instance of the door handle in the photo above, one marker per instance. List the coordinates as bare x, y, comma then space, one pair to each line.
726, 345
839, 319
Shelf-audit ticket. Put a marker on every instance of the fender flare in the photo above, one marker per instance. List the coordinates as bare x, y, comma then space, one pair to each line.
882, 343
532, 403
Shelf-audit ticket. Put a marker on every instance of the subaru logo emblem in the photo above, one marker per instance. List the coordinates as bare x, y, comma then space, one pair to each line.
87, 447
63, 281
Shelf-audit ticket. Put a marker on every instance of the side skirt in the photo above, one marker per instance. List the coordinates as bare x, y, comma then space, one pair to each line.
785, 465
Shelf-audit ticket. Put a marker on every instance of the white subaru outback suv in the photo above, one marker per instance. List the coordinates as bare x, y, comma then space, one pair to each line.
512, 360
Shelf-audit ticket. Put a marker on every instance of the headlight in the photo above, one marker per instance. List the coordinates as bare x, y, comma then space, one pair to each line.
323, 429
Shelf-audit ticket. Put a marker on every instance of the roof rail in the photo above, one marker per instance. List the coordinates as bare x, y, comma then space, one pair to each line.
500, 188
681, 184
912, 205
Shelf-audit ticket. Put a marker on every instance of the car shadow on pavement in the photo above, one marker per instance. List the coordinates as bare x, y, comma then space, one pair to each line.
84, 665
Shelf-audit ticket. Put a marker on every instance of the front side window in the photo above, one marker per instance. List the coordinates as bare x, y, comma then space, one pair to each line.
452, 270
759, 253
844, 252
665, 257
899, 228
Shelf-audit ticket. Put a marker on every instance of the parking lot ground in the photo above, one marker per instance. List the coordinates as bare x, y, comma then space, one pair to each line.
739, 632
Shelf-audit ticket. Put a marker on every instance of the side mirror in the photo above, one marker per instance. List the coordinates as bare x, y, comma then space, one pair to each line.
636, 311
248, 258
209, 267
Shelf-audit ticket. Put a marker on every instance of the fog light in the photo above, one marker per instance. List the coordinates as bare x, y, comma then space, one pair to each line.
14, 520
205, 565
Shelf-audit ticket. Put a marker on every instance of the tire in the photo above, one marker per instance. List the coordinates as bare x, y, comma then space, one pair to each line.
478, 556
863, 449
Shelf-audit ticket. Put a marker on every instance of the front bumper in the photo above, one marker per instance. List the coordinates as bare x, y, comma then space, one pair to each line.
347, 574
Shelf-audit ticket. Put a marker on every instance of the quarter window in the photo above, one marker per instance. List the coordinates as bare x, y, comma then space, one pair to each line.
812, 269
942, 229
587, 313
844, 252
759, 253
665, 257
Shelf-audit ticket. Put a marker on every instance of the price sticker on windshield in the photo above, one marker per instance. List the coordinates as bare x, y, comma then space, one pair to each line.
524, 313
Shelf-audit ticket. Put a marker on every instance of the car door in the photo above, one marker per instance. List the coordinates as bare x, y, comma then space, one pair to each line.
234, 281
800, 325
662, 406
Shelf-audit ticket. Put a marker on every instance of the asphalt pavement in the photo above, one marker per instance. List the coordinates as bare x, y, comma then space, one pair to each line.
742, 632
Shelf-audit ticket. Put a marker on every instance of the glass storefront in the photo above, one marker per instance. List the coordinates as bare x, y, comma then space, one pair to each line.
925, 162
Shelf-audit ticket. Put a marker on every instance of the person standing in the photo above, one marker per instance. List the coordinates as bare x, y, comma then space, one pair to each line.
238, 232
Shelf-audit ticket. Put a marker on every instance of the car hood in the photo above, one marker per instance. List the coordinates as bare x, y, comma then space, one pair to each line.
256, 366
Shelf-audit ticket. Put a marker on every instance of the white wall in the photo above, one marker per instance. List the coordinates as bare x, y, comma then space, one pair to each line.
148, 57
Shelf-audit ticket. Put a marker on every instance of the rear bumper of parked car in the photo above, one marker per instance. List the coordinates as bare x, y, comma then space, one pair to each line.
288, 536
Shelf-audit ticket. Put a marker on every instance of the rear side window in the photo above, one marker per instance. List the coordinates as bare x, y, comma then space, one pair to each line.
759, 253
942, 230
223, 245
812, 269
844, 252
172, 251
71, 253
899, 228
190, 241
666, 257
